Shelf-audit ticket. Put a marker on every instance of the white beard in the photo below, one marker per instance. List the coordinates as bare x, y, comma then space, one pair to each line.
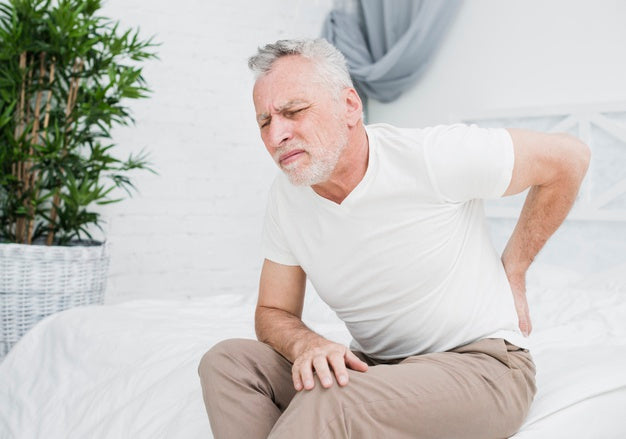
322, 163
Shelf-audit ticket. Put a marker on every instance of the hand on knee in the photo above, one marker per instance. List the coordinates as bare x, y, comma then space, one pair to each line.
329, 361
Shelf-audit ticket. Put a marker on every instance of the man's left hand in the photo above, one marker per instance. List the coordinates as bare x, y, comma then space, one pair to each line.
518, 286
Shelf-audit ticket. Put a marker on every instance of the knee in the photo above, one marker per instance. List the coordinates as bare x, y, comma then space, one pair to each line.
323, 401
316, 411
222, 356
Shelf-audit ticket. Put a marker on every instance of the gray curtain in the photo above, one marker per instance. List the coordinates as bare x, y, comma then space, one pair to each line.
388, 43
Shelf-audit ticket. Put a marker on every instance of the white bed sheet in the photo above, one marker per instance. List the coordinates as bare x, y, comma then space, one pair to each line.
130, 370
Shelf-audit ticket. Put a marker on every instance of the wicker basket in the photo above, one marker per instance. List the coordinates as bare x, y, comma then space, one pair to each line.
37, 280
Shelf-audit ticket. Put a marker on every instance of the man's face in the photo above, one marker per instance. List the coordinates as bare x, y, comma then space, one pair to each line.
302, 125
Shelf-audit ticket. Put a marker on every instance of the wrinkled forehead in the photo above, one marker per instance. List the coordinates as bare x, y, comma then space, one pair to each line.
291, 69
291, 78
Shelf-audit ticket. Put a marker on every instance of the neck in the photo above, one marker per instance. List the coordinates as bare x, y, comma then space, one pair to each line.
350, 168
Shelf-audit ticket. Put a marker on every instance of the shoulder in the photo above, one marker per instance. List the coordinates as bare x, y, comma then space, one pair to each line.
467, 161
396, 143
387, 133
438, 136
463, 136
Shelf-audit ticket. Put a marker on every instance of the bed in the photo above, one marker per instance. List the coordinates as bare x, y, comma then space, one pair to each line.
129, 370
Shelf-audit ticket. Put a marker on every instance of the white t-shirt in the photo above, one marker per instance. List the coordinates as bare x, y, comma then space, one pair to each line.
405, 260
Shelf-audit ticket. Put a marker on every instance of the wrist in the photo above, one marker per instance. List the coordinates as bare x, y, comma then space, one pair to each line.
517, 278
514, 265
304, 341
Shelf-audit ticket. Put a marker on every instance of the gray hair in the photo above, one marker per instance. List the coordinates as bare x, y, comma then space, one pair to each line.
330, 62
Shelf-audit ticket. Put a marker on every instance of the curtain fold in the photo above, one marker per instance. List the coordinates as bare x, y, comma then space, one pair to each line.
388, 44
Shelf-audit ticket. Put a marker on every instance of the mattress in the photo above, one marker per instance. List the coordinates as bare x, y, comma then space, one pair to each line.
129, 370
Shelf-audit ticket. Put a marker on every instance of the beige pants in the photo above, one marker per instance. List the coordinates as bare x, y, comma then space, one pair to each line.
481, 390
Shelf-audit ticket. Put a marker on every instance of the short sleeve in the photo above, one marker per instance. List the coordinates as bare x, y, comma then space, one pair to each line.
273, 244
466, 162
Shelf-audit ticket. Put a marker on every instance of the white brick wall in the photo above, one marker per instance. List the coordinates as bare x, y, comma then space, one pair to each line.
194, 229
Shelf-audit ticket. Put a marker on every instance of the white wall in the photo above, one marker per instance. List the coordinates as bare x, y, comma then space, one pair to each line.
195, 228
502, 54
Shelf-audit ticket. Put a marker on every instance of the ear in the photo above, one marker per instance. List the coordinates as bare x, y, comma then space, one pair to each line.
354, 106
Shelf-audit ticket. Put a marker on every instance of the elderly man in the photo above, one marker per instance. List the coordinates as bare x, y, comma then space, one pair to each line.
388, 224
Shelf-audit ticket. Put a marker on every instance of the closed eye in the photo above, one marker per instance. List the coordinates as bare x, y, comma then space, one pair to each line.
292, 113
289, 114
264, 121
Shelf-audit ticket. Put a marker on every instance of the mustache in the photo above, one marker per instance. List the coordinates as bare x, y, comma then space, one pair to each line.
286, 149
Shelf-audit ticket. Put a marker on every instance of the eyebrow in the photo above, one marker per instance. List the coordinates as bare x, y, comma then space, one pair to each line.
294, 103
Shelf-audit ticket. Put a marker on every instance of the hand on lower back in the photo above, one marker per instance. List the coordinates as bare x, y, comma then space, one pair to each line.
329, 361
518, 286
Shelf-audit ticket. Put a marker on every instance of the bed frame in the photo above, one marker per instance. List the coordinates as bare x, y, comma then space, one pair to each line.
602, 127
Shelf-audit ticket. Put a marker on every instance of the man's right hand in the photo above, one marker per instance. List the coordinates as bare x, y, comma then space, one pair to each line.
278, 322
326, 359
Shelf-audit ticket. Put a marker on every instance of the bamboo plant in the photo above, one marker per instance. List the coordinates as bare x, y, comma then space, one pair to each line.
66, 75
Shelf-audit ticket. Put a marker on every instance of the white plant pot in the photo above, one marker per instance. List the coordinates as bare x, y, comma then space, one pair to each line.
39, 280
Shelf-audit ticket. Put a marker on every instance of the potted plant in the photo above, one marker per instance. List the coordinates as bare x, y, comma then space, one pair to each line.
65, 77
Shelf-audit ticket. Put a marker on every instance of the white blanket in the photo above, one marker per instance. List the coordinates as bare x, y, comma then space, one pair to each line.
130, 370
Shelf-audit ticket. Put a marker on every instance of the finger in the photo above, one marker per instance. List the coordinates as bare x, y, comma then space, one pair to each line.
354, 362
523, 314
524, 327
295, 377
306, 375
524, 321
320, 364
337, 362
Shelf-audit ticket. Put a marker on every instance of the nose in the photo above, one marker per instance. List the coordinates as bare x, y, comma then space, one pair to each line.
280, 131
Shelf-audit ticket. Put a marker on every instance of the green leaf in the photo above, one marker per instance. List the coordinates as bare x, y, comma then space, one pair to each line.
68, 157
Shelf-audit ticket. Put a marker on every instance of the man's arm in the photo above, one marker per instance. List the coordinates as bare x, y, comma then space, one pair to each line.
553, 166
278, 323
